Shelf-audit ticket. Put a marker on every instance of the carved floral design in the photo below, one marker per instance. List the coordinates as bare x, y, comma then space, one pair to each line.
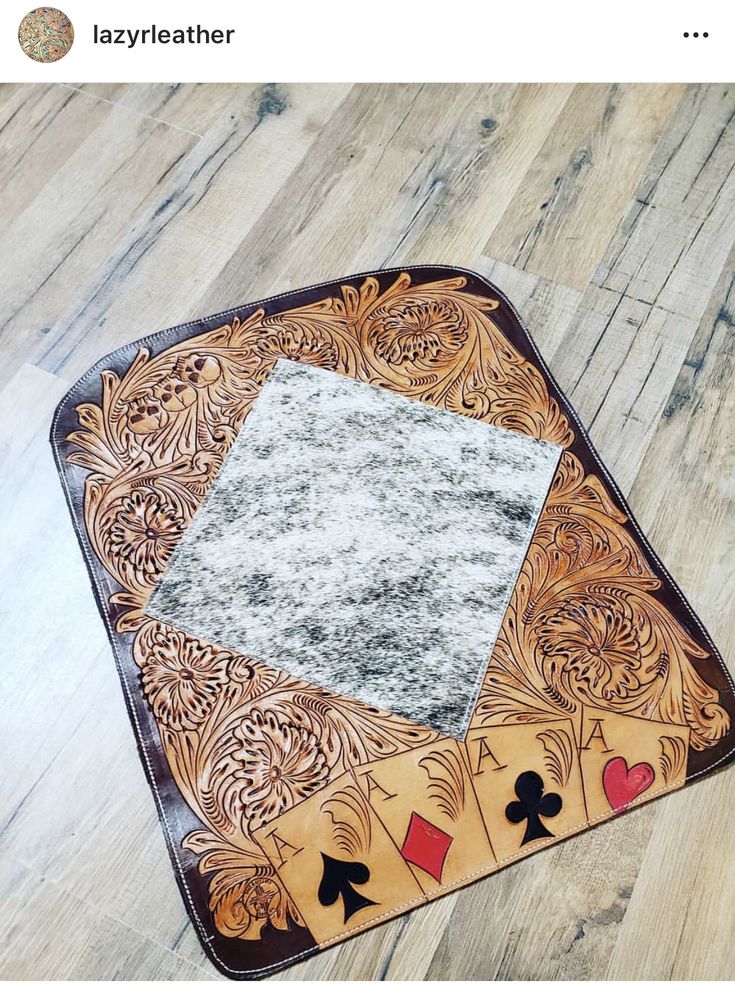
411, 330
594, 651
584, 628
143, 532
46, 34
245, 742
286, 338
280, 764
182, 678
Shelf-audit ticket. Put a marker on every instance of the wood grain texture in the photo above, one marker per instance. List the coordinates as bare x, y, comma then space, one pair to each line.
571, 198
130, 208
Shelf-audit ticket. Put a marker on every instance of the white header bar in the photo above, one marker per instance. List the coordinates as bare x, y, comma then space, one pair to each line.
381, 41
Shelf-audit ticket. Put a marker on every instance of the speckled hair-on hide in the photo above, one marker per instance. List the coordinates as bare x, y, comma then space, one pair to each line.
361, 541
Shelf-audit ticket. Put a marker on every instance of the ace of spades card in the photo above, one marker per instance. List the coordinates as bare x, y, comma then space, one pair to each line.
426, 801
337, 861
528, 783
623, 757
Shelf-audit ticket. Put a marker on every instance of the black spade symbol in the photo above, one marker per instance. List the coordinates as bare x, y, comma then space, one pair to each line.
338, 879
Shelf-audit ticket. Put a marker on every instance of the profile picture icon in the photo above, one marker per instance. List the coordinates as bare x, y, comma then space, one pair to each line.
46, 34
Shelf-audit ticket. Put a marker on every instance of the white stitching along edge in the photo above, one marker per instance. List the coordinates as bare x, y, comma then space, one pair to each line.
173, 846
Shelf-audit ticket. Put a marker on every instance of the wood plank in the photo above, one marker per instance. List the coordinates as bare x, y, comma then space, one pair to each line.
61, 241
182, 222
205, 203
691, 516
95, 226
33, 515
189, 106
400, 174
569, 202
364, 961
49, 933
686, 887
637, 318
107, 846
41, 127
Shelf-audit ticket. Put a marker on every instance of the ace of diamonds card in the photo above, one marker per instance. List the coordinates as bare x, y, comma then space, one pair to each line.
427, 803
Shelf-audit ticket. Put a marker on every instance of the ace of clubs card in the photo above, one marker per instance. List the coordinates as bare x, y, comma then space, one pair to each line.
528, 783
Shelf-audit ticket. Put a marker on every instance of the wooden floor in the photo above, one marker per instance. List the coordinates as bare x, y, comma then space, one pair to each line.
606, 212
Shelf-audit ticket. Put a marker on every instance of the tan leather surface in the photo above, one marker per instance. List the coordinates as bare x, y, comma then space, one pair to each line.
296, 817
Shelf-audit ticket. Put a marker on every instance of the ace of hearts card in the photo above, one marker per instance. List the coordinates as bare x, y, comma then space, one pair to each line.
623, 757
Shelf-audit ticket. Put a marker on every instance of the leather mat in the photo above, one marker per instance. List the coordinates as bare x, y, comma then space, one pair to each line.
295, 816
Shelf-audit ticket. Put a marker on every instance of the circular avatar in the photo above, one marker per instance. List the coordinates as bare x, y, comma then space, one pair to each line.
46, 34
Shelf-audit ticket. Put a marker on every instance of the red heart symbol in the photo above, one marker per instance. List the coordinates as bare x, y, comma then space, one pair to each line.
622, 784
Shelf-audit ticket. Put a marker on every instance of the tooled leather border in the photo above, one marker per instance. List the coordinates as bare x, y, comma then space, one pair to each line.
176, 818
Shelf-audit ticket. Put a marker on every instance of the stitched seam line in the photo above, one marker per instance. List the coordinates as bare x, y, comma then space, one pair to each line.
112, 634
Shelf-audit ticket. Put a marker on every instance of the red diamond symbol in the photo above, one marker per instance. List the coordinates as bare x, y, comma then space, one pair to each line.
426, 846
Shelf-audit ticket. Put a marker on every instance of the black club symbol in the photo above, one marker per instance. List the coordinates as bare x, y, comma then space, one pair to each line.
531, 805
